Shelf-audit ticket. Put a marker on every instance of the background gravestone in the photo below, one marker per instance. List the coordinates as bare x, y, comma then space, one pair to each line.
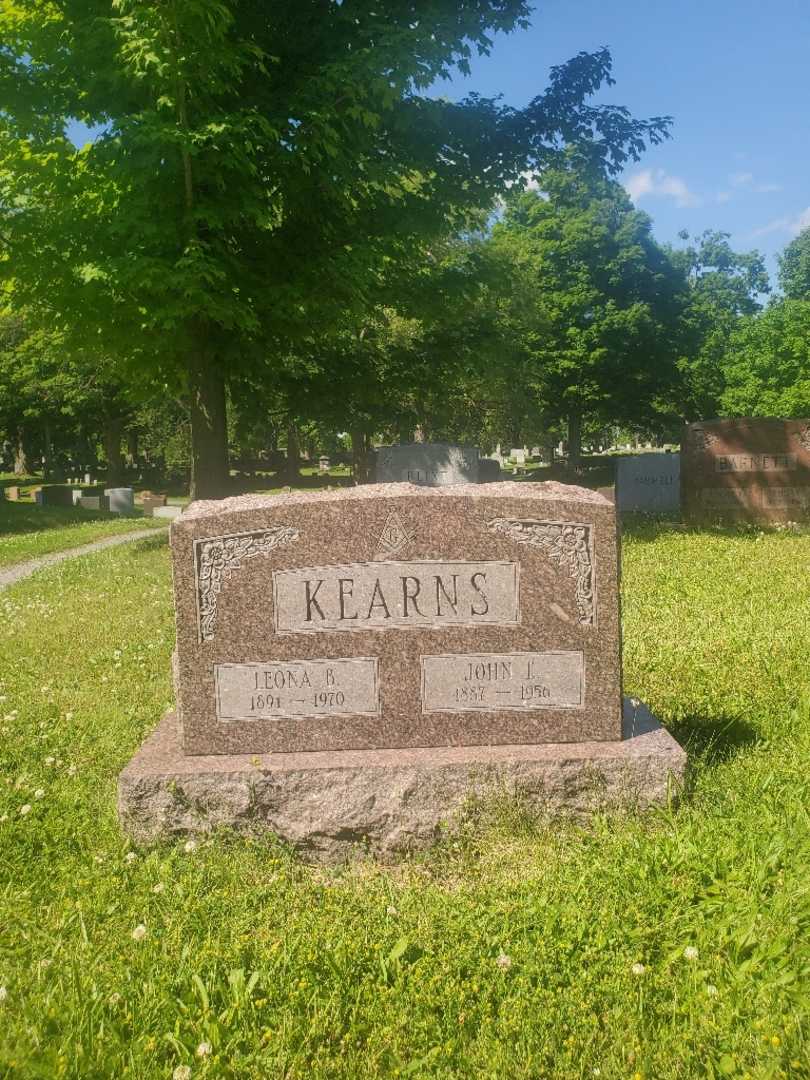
426, 464
648, 483
755, 469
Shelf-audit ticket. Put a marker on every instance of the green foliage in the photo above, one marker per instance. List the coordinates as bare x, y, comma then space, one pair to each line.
595, 304
767, 369
794, 267
373, 971
725, 285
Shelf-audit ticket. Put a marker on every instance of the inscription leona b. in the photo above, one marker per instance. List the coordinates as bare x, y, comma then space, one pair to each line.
395, 595
569, 545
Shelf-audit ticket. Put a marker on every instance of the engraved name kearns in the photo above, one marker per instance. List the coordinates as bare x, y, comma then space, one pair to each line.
377, 595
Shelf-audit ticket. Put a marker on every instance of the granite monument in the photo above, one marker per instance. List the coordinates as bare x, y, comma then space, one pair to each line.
648, 483
351, 664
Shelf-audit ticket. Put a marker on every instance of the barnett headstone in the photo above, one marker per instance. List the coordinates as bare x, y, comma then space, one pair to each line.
426, 464
751, 469
648, 483
350, 664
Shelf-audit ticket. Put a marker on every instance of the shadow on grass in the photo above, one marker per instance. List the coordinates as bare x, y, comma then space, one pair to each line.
152, 543
648, 528
18, 517
712, 742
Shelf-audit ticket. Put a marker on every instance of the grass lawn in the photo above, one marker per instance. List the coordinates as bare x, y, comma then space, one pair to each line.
28, 531
676, 945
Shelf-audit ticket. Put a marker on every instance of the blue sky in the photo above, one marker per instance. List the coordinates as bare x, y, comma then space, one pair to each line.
734, 75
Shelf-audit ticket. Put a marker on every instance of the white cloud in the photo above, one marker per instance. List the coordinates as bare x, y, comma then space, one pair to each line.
746, 180
723, 196
660, 183
792, 226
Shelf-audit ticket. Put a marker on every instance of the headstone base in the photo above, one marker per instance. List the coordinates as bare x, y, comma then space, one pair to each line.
328, 804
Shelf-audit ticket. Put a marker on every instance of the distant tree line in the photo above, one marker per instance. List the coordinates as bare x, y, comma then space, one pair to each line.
278, 240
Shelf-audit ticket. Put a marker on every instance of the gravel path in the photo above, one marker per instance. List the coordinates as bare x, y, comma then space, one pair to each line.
10, 574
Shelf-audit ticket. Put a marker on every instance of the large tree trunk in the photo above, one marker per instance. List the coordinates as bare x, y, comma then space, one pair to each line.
132, 448
209, 433
113, 427
20, 455
361, 469
574, 440
292, 469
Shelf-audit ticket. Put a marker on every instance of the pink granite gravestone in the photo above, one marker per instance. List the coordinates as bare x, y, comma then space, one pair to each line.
461, 632
752, 469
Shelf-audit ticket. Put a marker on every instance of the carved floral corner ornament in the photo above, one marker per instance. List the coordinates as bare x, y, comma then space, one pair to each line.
701, 440
803, 436
216, 557
570, 545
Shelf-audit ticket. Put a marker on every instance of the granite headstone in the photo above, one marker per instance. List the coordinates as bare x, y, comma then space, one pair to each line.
648, 483
426, 464
751, 469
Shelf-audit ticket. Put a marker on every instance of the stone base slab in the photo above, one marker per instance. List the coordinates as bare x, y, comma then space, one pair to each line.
329, 803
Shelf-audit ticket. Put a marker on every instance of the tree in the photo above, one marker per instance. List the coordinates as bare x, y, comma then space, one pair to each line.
600, 302
725, 285
794, 267
767, 369
259, 166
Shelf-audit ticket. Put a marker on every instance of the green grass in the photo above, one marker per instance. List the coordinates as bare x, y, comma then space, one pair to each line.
28, 531
288, 971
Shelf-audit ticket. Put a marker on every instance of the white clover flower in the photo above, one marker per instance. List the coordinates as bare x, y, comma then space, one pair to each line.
117, 654
25, 809
711, 990
4, 817
71, 770
3, 994
638, 969
690, 953
50, 760
391, 910
190, 847
139, 933
158, 888
39, 793
130, 856
68, 716
503, 961
204, 1049
182, 1072
115, 998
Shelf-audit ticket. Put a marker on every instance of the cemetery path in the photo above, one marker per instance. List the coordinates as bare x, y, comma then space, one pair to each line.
10, 574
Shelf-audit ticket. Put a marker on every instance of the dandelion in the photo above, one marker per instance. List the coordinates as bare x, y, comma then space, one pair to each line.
25, 809
712, 990
3, 994
39, 793
157, 889
130, 856
190, 847
690, 953
204, 1049
182, 1072
503, 961
638, 969
139, 933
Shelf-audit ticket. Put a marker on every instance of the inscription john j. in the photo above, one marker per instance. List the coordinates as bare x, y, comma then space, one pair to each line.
502, 681
378, 595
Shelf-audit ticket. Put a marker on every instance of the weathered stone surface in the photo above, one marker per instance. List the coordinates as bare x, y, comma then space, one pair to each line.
648, 483
325, 619
329, 804
121, 499
426, 464
752, 469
